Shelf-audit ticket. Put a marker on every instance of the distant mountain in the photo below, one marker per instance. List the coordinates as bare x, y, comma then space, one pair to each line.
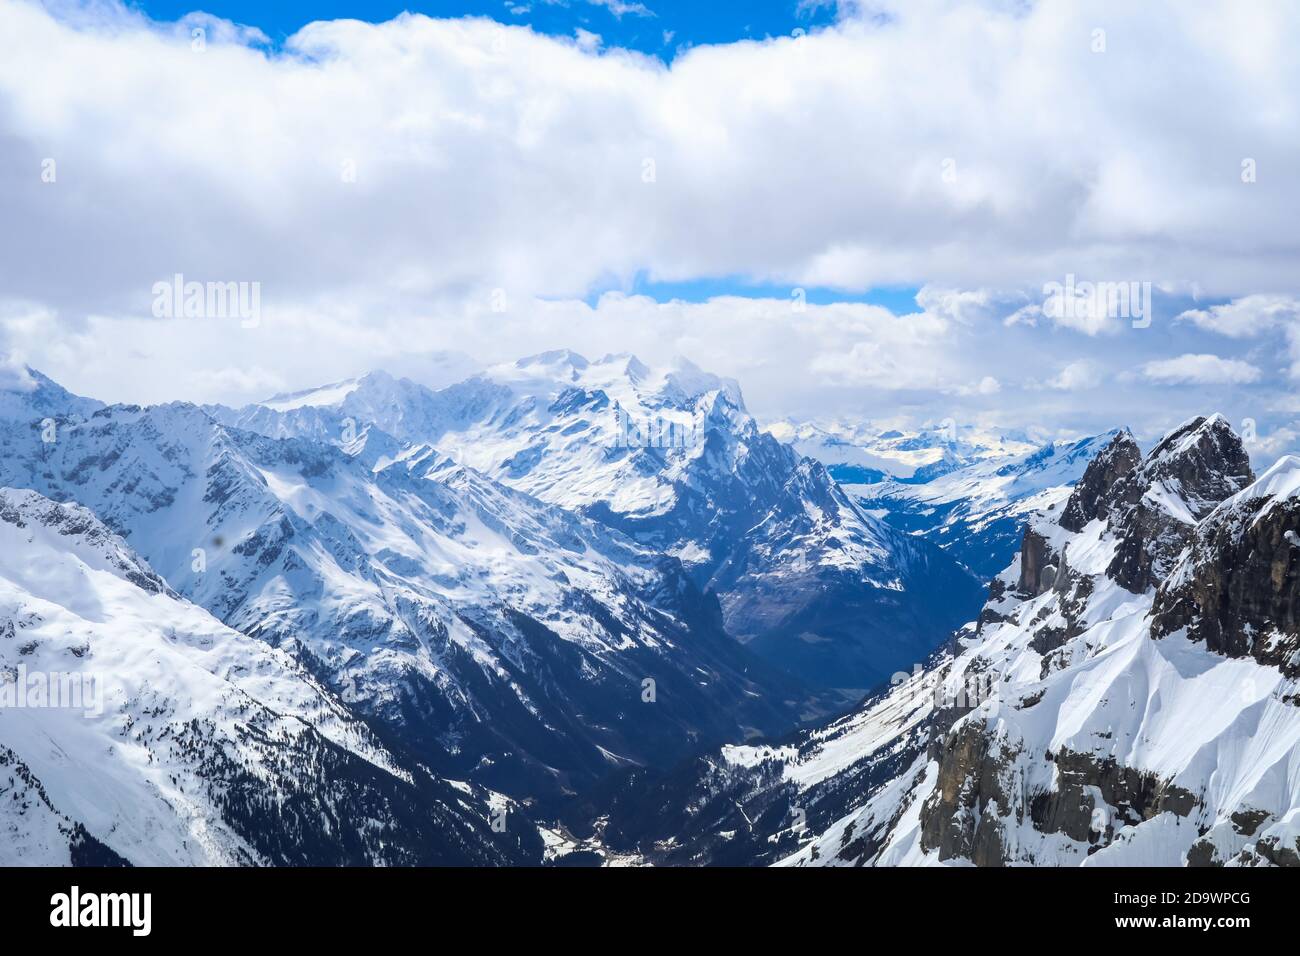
136, 728
28, 396
859, 452
671, 458
1128, 696
977, 512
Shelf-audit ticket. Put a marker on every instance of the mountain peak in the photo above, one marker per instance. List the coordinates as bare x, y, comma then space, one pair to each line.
1281, 480
554, 357
1205, 456
28, 395
321, 395
15, 375
1190, 471
1090, 496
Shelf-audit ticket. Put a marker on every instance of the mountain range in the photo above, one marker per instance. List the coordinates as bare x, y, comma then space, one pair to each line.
568, 610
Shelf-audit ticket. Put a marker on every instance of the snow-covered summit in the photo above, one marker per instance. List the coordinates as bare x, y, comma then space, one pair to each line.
468, 617
671, 457
977, 511
27, 395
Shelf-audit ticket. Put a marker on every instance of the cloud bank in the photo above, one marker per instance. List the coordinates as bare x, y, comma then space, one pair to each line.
420, 185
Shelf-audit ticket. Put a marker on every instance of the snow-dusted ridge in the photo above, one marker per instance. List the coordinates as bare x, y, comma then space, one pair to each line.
483, 576
500, 639
135, 727
671, 458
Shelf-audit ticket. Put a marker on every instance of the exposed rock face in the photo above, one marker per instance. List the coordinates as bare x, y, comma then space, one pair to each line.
1094, 798
956, 819
1238, 589
1038, 564
1156, 506
1118, 745
1090, 497
983, 785
1206, 457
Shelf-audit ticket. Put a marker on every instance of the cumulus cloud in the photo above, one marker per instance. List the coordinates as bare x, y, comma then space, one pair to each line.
391, 186
1193, 369
487, 155
1246, 316
14, 376
1077, 376
621, 8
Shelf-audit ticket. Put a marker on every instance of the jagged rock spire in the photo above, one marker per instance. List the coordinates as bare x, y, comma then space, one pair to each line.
1155, 507
1090, 497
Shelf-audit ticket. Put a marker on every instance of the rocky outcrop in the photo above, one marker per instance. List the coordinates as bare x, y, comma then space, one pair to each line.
1239, 588
981, 791
1090, 498
1038, 564
960, 819
1155, 507
1240, 594
1094, 798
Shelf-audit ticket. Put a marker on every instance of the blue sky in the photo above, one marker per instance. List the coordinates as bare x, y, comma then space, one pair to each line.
660, 28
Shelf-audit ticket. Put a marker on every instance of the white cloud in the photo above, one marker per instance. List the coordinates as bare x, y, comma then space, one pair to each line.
974, 151
1252, 316
1200, 370
1248, 316
588, 42
621, 8
988, 385
490, 156
968, 306
14, 376
1078, 376
1275, 443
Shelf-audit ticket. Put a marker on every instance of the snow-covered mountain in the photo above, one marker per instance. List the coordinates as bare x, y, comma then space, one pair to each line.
968, 490
135, 727
976, 511
322, 641
27, 396
670, 457
499, 639
860, 452
1128, 696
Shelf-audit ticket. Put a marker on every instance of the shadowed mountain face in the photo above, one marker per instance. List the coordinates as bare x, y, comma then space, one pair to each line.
805, 577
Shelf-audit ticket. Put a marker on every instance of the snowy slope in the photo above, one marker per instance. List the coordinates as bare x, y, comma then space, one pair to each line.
396, 406
859, 452
671, 458
502, 640
1120, 727
136, 727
